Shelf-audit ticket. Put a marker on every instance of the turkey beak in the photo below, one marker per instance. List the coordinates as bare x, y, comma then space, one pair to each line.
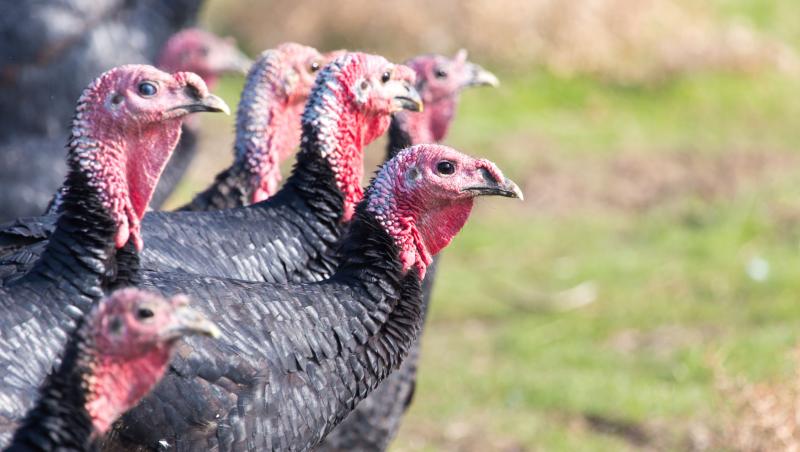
478, 76
187, 322
210, 103
239, 63
407, 99
493, 187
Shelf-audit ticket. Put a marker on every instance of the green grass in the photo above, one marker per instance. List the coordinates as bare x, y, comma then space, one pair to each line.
702, 112
674, 276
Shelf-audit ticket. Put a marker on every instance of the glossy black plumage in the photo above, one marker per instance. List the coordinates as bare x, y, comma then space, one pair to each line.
59, 421
39, 309
375, 421
292, 361
50, 51
289, 237
230, 189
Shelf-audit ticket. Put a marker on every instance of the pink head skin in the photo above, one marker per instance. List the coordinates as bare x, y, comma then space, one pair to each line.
126, 126
424, 195
349, 107
131, 337
440, 80
201, 52
268, 117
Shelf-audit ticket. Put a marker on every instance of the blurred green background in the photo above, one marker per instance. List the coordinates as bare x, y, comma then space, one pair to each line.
647, 289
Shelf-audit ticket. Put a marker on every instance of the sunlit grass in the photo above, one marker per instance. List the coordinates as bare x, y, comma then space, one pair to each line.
674, 278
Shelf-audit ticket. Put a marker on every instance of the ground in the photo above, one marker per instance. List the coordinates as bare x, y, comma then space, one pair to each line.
658, 244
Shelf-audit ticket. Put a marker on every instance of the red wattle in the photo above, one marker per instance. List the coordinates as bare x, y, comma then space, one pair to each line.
118, 383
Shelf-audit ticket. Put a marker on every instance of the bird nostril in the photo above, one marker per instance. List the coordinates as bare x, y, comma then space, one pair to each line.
487, 176
193, 92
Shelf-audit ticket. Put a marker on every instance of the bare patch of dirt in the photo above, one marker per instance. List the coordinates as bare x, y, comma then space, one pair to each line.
640, 182
759, 416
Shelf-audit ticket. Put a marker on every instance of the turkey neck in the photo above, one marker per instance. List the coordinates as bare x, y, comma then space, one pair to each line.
370, 259
82, 244
265, 128
59, 420
110, 181
386, 319
330, 162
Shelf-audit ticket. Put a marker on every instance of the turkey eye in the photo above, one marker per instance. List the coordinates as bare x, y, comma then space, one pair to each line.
386, 76
440, 73
314, 66
147, 89
144, 313
204, 51
445, 167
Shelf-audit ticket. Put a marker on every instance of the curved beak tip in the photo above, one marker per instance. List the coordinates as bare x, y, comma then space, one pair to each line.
485, 78
489, 79
415, 101
216, 104
190, 322
410, 101
514, 188
244, 64
212, 331
481, 77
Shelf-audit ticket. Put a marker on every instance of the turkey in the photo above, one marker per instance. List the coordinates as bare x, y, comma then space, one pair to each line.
116, 355
126, 125
204, 53
267, 127
290, 236
32, 168
294, 359
209, 56
440, 80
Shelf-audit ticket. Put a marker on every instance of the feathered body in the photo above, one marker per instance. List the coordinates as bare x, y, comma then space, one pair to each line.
294, 359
